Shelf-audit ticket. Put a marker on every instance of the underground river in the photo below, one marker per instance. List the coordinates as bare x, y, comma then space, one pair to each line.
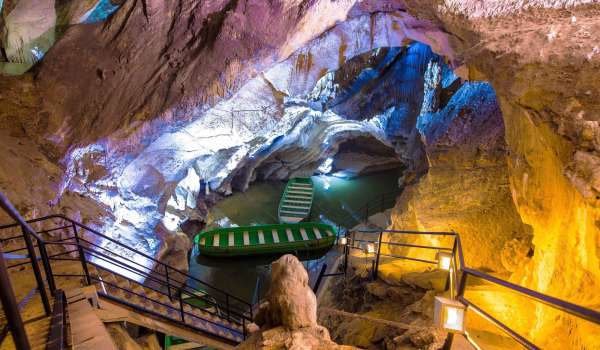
338, 201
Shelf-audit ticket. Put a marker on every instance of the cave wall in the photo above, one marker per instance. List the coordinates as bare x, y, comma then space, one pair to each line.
542, 60
155, 67
466, 188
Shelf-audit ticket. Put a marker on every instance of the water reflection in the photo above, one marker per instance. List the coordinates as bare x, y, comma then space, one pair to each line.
336, 202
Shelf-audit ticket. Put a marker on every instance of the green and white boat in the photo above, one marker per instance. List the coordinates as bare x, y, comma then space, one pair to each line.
296, 200
265, 239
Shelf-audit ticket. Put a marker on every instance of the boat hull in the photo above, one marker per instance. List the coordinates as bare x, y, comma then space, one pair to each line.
296, 200
265, 240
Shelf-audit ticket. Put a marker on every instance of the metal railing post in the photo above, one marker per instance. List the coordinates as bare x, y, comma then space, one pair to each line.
244, 328
227, 306
36, 271
346, 252
11, 309
47, 266
168, 283
181, 305
81, 256
378, 254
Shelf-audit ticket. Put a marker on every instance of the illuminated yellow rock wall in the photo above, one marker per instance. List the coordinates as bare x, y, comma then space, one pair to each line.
544, 65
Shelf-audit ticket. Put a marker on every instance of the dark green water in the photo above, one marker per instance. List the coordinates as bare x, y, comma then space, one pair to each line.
337, 201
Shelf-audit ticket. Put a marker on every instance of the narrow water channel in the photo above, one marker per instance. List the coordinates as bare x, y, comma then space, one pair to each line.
337, 201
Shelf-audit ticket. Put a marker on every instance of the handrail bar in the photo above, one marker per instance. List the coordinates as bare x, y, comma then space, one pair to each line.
516, 336
156, 314
573, 309
87, 228
159, 302
149, 257
432, 233
556, 303
14, 214
403, 244
146, 275
150, 274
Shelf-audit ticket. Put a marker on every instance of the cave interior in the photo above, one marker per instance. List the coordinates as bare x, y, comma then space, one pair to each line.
451, 147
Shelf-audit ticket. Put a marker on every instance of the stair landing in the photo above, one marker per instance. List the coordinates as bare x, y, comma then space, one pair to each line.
87, 329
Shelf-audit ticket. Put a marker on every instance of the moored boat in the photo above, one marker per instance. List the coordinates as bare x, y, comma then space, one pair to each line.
296, 200
265, 239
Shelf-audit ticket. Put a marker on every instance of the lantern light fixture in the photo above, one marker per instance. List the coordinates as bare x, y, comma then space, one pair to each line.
370, 248
449, 314
444, 260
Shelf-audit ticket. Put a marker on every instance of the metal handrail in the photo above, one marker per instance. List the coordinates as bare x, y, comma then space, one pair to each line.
133, 270
57, 334
112, 240
187, 276
377, 204
94, 250
464, 271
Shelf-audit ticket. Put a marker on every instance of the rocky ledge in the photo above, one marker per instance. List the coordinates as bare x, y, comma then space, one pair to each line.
288, 317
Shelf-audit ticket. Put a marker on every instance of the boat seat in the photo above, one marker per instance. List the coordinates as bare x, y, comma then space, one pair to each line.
246, 238
305, 201
290, 236
285, 205
216, 240
291, 219
294, 188
231, 239
298, 191
317, 233
275, 236
296, 196
261, 237
304, 235
301, 213
301, 184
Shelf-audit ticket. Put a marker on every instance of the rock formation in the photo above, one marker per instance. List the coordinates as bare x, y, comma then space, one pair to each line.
288, 316
141, 97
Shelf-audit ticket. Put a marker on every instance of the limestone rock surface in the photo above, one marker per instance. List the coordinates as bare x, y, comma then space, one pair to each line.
288, 317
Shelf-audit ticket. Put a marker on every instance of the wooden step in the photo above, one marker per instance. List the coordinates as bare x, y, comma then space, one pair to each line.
146, 298
87, 330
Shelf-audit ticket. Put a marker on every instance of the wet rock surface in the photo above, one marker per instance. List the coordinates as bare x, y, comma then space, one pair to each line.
379, 315
288, 316
113, 89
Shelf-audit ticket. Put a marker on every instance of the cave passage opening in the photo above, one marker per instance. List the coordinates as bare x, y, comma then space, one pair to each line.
355, 133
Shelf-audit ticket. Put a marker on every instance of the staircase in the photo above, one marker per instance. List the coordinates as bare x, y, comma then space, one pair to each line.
139, 297
161, 297
63, 253
37, 325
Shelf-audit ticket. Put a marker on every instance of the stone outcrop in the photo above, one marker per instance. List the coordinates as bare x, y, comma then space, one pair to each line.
155, 67
467, 181
288, 317
380, 315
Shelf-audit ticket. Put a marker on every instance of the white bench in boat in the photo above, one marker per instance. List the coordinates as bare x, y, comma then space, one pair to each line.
317, 233
304, 235
291, 219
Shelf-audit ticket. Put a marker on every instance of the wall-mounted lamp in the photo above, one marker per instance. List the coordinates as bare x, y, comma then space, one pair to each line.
343, 241
449, 314
370, 248
444, 260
